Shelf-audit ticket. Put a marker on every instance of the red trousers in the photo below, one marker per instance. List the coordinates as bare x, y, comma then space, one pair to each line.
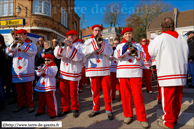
159, 92
129, 87
25, 94
114, 84
48, 98
83, 80
104, 81
147, 79
67, 86
171, 98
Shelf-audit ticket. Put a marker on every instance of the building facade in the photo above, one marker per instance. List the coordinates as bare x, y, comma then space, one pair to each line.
184, 22
48, 18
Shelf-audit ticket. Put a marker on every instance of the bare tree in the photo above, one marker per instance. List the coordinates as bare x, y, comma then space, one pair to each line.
113, 14
144, 13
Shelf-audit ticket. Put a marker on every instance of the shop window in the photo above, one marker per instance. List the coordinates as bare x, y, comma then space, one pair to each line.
63, 17
6, 7
42, 7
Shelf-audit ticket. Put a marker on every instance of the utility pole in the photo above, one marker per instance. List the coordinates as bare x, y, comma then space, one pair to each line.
81, 24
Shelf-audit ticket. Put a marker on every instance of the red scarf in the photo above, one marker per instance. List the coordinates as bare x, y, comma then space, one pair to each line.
51, 64
75, 41
172, 33
124, 41
94, 36
145, 48
28, 40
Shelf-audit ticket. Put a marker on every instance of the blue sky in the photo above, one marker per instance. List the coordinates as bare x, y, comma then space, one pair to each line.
93, 10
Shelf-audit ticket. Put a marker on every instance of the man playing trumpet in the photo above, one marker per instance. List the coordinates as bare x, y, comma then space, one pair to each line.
129, 72
23, 54
97, 52
70, 72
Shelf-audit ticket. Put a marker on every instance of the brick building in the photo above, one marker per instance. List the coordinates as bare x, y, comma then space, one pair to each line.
48, 18
184, 22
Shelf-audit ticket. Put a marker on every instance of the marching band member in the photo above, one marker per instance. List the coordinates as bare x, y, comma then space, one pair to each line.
70, 72
146, 63
23, 69
82, 80
113, 68
46, 86
129, 72
169, 49
98, 69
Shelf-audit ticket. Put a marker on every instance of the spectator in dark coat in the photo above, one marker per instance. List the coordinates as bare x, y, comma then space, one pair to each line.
40, 47
4, 71
190, 41
48, 49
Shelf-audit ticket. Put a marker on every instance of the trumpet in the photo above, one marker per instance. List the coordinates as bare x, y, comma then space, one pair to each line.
132, 50
99, 40
17, 39
63, 44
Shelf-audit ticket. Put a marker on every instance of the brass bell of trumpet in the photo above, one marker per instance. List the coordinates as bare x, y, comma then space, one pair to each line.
62, 44
17, 39
132, 50
99, 40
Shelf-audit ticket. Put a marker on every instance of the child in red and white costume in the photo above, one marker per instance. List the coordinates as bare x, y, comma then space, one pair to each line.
46, 86
171, 54
113, 68
98, 69
23, 54
146, 63
129, 72
70, 72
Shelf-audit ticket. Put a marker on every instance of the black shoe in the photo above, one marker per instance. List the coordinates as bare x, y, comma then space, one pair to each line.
75, 113
80, 90
18, 109
38, 114
110, 116
63, 113
159, 101
31, 109
92, 114
52, 117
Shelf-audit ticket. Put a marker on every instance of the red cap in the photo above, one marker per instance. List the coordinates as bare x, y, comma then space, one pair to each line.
127, 29
21, 31
97, 26
49, 56
72, 32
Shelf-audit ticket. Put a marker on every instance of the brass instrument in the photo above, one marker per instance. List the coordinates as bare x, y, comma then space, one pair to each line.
17, 39
132, 50
63, 44
99, 40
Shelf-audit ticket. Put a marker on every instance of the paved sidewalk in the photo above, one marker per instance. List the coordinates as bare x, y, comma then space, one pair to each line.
185, 121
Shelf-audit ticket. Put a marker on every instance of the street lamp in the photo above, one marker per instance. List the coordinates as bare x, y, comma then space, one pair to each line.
18, 9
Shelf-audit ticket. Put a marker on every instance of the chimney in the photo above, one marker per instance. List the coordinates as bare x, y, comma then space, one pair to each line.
175, 16
87, 27
101, 25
